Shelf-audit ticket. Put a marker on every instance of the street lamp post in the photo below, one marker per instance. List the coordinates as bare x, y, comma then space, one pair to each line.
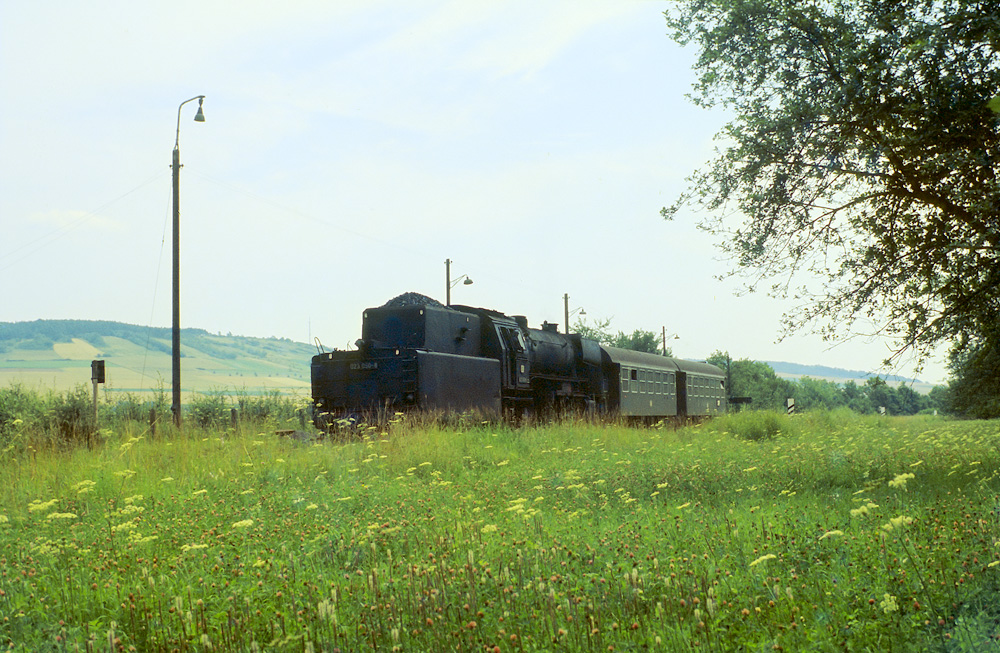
449, 284
175, 405
570, 313
674, 336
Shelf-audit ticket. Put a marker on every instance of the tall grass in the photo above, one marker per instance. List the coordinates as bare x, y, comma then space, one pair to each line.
43, 419
566, 536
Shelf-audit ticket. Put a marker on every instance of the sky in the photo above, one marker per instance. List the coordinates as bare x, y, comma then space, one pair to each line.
349, 149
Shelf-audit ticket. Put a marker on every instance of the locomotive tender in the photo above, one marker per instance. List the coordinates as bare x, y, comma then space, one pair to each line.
415, 353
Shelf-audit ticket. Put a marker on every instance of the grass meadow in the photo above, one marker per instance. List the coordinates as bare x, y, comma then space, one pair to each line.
751, 532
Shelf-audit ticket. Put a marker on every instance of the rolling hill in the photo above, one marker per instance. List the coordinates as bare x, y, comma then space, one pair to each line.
57, 353
836, 374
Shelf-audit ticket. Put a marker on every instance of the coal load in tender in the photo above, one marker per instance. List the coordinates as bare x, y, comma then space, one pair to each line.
411, 299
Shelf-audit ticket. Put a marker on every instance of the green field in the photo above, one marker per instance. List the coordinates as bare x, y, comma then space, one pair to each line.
753, 532
56, 354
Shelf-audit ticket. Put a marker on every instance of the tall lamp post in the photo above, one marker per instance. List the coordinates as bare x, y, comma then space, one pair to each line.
175, 405
570, 313
673, 336
449, 284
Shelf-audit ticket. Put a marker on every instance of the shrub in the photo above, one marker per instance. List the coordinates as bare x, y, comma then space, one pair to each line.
19, 406
752, 424
210, 409
73, 413
270, 405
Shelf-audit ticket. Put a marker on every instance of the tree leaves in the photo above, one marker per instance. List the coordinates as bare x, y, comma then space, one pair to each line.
863, 158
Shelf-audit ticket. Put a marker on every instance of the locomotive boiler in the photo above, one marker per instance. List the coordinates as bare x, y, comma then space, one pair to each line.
416, 354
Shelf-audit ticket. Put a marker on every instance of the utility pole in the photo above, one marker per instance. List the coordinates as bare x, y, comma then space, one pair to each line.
566, 309
447, 281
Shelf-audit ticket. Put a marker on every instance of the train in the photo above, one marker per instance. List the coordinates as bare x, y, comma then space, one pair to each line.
418, 354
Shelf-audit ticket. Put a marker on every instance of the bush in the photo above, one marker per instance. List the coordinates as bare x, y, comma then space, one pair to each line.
19, 407
258, 408
73, 413
211, 409
752, 424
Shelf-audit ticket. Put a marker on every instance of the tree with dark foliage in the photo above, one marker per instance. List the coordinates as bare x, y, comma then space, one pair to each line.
639, 340
975, 389
861, 161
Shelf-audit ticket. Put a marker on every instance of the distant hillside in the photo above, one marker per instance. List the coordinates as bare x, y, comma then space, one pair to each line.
837, 375
57, 354
794, 370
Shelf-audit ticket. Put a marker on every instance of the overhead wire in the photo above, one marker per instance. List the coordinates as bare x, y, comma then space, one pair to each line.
156, 285
56, 234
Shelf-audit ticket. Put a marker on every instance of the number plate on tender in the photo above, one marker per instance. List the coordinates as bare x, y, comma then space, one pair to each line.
365, 365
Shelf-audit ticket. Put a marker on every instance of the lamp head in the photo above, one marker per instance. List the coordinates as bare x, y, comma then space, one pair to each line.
583, 312
467, 282
200, 116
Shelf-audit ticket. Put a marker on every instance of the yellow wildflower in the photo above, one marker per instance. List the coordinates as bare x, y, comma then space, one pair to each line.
897, 522
83, 487
888, 603
900, 480
41, 506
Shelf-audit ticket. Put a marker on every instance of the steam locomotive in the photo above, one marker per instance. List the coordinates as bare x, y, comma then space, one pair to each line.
415, 353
